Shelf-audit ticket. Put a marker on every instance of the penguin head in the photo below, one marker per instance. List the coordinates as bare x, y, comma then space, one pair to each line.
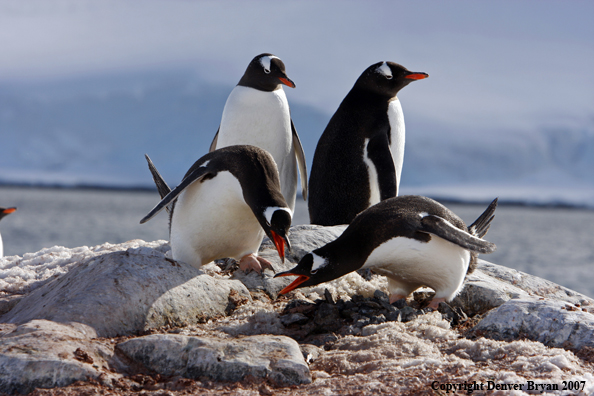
6, 211
387, 78
266, 72
313, 269
276, 222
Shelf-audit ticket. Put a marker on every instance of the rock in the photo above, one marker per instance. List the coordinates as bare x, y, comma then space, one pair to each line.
553, 323
46, 354
327, 317
304, 239
310, 352
294, 318
277, 358
491, 285
126, 292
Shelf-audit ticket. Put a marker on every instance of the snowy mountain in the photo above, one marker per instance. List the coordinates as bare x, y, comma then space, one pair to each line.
95, 131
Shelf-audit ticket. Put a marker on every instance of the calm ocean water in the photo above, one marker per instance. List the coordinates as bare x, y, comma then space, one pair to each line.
553, 243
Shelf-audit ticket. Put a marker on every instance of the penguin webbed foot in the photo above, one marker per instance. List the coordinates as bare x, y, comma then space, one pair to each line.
434, 304
251, 262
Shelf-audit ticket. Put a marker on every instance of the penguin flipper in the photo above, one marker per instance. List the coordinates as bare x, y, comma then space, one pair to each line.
162, 186
482, 224
213, 145
378, 151
300, 155
444, 229
192, 176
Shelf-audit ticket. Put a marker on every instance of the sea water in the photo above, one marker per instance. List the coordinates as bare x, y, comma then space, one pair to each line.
553, 243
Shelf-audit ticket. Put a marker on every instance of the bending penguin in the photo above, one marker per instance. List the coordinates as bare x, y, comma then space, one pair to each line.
414, 241
228, 200
257, 113
358, 159
3, 213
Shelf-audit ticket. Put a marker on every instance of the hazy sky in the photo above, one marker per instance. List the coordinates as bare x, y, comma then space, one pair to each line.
506, 63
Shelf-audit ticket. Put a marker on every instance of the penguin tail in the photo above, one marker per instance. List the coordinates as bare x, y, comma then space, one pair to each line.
481, 225
162, 186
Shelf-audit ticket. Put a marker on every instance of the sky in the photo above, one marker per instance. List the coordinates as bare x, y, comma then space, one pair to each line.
501, 63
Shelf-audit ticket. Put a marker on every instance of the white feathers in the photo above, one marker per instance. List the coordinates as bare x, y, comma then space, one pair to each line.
262, 119
318, 262
204, 164
265, 62
423, 214
271, 209
385, 70
374, 191
397, 137
211, 220
410, 264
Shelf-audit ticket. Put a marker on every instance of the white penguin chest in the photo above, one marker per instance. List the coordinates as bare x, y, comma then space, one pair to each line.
397, 136
211, 220
258, 118
438, 263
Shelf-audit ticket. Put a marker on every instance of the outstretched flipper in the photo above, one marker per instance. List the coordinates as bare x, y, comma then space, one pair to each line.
300, 155
444, 229
482, 224
162, 186
192, 176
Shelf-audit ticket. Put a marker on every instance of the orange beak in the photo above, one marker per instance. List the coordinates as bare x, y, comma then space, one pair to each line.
296, 282
9, 210
279, 242
287, 82
417, 76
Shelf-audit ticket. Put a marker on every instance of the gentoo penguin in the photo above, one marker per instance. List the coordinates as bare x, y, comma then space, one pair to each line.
257, 113
358, 159
414, 241
223, 207
4, 212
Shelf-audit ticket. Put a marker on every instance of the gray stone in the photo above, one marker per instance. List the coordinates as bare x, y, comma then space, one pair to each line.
553, 323
327, 317
126, 292
294, 318
277, 358
491, 285
46, 354
310, 352
304, 239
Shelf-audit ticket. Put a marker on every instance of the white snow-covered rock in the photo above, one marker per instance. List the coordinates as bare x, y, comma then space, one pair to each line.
127, 291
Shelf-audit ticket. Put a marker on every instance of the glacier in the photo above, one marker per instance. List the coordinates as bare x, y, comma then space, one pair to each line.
94, 131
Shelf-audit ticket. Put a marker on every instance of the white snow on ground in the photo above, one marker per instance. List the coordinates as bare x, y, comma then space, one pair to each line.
21, 275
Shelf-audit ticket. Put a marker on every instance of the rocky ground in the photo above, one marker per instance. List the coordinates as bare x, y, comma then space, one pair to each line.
127, 320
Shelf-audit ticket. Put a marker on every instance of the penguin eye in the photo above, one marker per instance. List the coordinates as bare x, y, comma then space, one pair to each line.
389, 77
266, 71
313, 271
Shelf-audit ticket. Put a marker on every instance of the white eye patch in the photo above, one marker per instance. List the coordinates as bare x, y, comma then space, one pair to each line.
318, 262
265, 62
270, 211
385, 70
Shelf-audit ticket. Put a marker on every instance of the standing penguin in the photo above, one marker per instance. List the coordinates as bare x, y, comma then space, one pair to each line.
4, 212
358, 159
257, 113
223, 207
414, 241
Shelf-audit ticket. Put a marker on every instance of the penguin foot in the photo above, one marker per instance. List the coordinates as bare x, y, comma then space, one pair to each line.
252, 262
395, 297
434, 304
